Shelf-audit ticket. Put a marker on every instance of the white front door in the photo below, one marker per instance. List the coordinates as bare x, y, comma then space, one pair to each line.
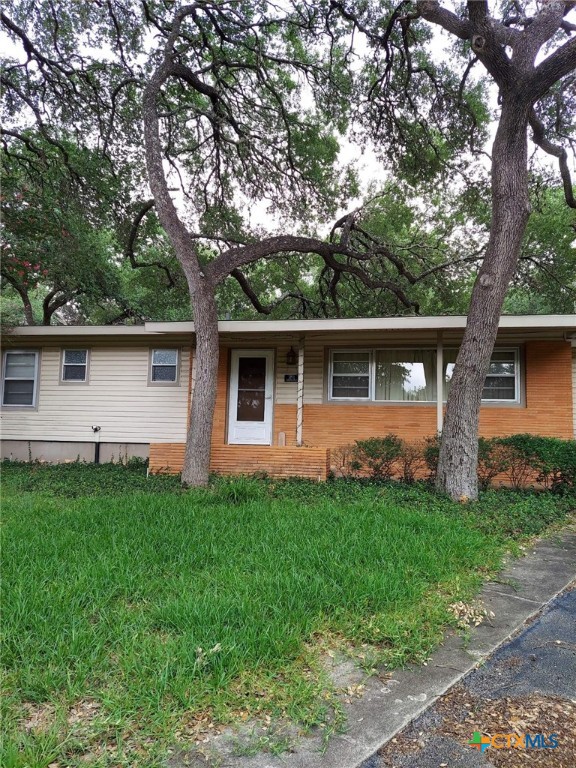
251, 391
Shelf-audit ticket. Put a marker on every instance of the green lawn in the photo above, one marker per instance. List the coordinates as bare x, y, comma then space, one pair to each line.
133, 611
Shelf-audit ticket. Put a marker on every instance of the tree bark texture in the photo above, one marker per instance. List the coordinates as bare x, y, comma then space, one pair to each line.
511, 208
196, 467
201, 288
26, 303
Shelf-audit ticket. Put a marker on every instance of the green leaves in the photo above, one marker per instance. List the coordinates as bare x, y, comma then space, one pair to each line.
56, 241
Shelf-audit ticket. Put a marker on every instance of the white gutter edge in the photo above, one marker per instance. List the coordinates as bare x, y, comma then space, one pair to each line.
432, 323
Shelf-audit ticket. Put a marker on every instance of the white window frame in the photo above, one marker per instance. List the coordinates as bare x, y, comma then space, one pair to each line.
517, 377
33, 405
372, 352
370, 398
152, 365
63, 364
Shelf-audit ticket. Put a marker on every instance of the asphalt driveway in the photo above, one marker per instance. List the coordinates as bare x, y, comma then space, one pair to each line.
527, 687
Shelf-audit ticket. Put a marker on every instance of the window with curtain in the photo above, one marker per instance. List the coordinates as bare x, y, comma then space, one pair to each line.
409, 375
405, 375
502, 381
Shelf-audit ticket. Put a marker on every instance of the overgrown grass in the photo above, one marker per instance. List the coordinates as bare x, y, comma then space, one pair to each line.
134, 613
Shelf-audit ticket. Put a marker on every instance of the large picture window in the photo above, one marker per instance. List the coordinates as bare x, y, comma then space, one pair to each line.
409, 375
20, 378
406, 375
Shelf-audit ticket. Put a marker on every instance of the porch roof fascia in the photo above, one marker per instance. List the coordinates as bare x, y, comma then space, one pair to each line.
565, 324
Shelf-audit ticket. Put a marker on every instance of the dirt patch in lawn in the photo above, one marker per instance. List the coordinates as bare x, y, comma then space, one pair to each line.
38, 717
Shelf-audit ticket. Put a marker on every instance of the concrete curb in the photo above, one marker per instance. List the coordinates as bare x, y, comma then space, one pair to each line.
520, 592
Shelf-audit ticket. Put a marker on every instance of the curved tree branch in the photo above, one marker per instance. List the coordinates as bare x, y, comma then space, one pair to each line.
539, 137
23, 293
129, 251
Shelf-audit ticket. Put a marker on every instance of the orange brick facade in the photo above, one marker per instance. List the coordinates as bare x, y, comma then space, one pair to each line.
546, 409
312, 463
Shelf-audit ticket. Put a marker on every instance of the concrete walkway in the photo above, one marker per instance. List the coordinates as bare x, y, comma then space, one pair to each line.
523, 588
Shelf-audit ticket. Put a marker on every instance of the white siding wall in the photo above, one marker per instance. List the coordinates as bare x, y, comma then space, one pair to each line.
314, 373
286, 391
118, 398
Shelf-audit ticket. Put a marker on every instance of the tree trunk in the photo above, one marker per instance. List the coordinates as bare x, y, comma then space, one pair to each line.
28, 312
197, 458
26, 304
458, 460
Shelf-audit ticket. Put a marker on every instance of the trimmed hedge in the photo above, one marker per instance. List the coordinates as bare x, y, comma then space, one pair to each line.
524, 460
553, 460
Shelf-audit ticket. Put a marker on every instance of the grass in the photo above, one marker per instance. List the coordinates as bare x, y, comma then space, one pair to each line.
136, 615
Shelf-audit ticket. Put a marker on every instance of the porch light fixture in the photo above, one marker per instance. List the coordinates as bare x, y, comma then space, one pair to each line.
291, 356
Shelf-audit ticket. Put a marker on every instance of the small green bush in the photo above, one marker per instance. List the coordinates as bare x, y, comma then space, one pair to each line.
378, 455
551, 459
343, 462
493, 460
411, 461
431, 455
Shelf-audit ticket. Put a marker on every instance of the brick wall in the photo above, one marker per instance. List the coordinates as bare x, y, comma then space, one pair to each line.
546, 407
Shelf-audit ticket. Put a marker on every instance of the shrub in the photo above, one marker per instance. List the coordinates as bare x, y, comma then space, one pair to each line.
550, 459
519, 469
378, 455
343, 462
431, 454
493, 460
411, 460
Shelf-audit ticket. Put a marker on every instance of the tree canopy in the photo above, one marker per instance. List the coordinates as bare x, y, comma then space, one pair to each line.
239, 109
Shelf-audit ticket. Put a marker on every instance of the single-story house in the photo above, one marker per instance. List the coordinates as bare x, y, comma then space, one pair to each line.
288, 390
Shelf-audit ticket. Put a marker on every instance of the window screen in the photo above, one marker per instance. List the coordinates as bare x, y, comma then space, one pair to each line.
350, 375
20, 373
164, 365
74, 365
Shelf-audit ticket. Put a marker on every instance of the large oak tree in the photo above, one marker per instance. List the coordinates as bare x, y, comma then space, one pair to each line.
528, 52
238, 106
513, 48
